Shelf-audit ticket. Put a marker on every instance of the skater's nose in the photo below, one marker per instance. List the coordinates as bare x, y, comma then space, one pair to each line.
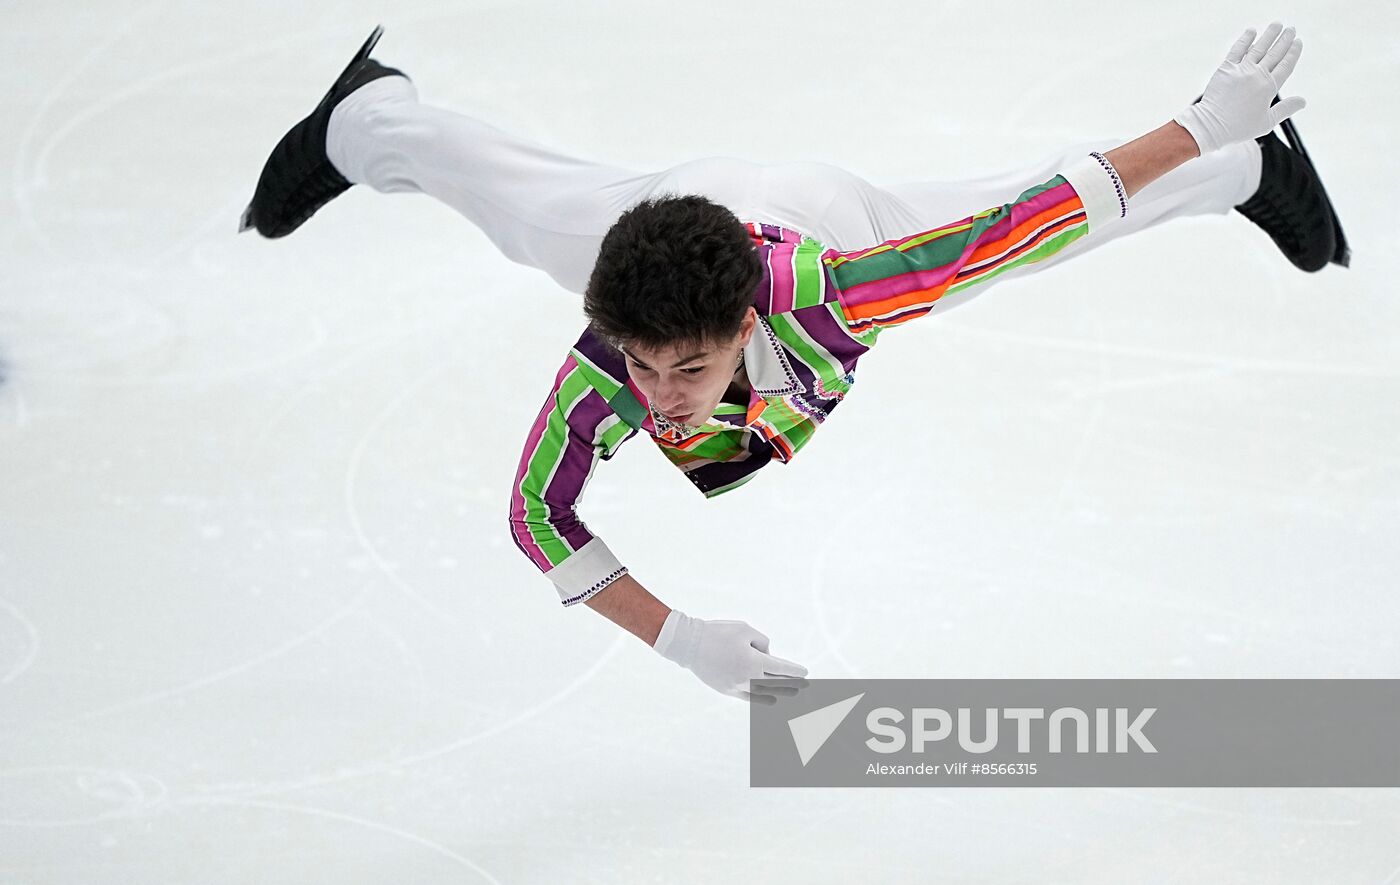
669, 398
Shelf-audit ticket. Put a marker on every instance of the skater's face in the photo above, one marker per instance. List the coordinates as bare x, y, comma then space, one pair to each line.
686, 382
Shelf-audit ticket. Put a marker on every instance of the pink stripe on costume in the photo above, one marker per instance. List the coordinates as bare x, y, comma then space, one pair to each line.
780, 276
532, 441
933, 277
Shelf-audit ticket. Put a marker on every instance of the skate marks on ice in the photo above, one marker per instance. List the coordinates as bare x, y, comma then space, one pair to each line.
85, 794
104, 796
257, 660
24, 651
370, 768
1207, 362
479, 873
352, 472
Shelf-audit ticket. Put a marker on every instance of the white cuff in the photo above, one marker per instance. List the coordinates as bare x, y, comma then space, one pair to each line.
591, 568
1100, 190
676, 622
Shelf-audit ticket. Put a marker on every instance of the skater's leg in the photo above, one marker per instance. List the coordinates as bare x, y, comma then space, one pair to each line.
549, 210
540, 207
543, 208
825, 202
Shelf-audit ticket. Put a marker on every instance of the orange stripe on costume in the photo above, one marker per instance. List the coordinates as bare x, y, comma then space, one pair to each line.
867, 310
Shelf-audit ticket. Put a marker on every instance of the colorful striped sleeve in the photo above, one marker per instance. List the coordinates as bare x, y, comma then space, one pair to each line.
575, 428
904, 279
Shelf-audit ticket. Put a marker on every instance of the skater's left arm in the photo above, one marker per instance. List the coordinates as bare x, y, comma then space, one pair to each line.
904, 279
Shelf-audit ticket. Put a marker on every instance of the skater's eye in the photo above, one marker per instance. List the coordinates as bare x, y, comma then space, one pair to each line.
643, 367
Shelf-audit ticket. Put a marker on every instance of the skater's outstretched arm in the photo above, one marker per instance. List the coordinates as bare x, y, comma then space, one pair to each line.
902, 279
577, 428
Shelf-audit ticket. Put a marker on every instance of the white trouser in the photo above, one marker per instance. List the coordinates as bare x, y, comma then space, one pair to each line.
545, 209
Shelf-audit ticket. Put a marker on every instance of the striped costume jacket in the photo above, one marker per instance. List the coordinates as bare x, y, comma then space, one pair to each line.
819, 311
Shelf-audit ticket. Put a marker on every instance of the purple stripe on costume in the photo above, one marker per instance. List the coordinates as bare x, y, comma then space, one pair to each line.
830, 332
763, 292
602, 355
567, 483
718, 474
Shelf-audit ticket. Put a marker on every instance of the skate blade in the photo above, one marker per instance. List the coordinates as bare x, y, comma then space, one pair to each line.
365, 49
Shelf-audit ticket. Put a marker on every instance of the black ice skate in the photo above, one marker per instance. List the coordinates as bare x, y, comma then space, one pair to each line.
1342, 254
1292, 206
298, 179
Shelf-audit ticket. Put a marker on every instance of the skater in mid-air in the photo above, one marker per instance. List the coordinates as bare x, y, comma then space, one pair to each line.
729, 302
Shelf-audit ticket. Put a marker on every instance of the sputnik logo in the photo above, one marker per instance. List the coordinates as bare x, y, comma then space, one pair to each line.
811, 730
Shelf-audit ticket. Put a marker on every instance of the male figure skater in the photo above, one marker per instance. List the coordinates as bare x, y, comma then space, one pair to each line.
729, 302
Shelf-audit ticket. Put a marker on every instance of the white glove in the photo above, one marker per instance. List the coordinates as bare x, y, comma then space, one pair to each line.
725, 655
1235, 106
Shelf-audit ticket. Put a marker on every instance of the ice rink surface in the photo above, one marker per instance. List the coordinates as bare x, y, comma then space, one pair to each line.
260, 616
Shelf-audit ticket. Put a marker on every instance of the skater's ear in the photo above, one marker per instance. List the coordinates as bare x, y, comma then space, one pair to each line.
747, 326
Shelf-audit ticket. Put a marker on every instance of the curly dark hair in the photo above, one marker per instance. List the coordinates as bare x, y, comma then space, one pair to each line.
672, 271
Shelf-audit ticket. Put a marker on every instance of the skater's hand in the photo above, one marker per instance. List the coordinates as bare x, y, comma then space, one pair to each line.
725, 655
1235, 106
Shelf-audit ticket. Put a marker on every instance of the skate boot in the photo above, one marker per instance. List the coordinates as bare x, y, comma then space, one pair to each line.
298, 178
1291, 204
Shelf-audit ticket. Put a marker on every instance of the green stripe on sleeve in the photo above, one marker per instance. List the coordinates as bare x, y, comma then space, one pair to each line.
547, 455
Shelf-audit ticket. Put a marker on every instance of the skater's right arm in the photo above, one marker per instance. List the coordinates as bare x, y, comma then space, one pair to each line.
627, 604
575, 429
724, 655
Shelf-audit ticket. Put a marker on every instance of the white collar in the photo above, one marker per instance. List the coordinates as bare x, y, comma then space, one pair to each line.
767, 365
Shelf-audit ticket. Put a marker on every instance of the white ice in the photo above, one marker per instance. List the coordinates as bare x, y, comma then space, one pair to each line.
260, 617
